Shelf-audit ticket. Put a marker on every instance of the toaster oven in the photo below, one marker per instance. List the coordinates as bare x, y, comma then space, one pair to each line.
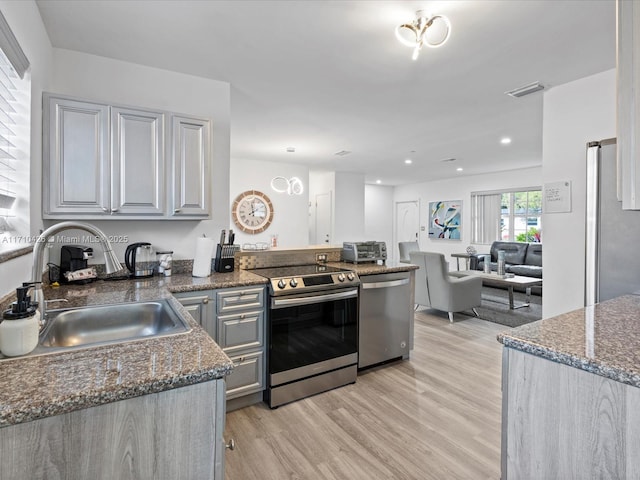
359, 252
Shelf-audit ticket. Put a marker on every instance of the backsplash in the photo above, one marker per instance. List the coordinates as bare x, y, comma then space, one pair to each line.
248, 260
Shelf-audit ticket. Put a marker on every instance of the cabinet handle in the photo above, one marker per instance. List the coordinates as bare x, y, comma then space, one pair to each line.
205, 301
114, 210
231, 445
243, 316
105, 209
177, 210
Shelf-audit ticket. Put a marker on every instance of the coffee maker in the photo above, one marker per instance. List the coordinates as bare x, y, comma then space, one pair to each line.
72, 258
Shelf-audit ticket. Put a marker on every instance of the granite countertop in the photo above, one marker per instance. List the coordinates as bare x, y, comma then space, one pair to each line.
34, 387
374, 268
603, 339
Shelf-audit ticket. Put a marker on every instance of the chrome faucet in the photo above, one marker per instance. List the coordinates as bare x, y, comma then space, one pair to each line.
112, 264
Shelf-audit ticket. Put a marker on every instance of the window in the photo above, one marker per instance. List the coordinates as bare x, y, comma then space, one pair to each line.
15, 112
507, 215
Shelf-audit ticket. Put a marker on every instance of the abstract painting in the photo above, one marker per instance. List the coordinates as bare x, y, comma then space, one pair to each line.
445, 218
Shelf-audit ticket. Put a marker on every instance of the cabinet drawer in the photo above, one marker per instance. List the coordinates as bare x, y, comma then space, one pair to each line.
240, 331
232, 300
247, 376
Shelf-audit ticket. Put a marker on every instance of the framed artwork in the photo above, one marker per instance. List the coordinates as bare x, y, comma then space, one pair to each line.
445, 219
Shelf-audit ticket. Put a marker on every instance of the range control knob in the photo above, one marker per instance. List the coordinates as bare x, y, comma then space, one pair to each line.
281, 283
341, 277
350, 276
293, 283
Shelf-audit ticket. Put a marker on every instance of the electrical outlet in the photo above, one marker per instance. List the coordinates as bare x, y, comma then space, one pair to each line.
321, 257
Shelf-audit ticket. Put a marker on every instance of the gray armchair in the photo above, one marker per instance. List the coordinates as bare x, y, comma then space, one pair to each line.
406, 248
437, 290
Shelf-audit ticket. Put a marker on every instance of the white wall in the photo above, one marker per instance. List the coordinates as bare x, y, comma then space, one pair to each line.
103, 79
348, 208
378, 216
460, 189
290, 218
574, 114
26, 24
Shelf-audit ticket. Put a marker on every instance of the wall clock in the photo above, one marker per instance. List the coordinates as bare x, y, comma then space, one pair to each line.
252, 211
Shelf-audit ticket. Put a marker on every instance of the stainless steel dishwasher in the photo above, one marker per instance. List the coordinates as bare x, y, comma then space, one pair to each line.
385, 326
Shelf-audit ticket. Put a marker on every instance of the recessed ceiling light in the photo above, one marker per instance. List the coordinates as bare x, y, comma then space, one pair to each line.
408, 161
459, 169
378, 182
505, 141
291, 149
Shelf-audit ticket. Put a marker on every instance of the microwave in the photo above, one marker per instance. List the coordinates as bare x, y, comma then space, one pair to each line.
358, 252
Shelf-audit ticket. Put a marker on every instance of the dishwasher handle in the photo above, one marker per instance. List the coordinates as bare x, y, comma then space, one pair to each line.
387, 284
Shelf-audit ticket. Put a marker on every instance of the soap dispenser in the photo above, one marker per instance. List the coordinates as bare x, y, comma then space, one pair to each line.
20, 325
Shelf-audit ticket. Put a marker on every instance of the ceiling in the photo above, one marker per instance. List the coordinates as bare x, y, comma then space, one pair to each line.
326, 76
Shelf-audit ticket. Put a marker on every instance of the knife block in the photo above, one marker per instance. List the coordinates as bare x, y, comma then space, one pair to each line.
225, 261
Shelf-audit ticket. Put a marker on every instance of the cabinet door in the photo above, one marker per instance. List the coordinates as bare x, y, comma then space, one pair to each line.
202, 309
191, 138
247, 375
76, 157
137, 162
240, 331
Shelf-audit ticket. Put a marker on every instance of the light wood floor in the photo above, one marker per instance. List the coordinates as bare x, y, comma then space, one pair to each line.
435, 416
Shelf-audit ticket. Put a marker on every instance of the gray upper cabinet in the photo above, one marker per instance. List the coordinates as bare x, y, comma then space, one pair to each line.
138, 167
191, 145
628, 103
76, 177
104, 162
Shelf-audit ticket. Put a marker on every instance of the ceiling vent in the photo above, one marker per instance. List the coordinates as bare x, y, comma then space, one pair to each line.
342, 153
525, 90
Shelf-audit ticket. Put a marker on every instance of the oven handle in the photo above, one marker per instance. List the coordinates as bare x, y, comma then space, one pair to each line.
292, 302
390, 283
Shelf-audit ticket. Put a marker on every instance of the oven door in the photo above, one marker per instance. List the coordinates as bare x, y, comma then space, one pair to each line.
312, 334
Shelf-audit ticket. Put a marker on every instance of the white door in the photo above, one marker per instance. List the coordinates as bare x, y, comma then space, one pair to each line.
407, 223
323, 218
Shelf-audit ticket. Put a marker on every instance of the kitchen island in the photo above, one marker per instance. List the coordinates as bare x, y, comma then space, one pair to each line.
571, 396
149, 408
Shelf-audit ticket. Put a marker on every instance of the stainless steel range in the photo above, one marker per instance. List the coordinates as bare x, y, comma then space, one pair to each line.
312, 330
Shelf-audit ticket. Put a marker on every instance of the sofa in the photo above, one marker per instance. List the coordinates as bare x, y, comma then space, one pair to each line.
523, 259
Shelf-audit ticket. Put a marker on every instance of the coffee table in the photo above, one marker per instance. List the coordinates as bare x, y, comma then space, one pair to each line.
493, 279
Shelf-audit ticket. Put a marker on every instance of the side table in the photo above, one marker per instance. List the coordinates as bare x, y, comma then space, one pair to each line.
458, 256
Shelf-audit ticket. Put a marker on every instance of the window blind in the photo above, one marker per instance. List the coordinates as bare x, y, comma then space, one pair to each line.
13, 66
7, 135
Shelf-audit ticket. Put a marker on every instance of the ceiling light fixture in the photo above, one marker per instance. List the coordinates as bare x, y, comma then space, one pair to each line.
459, 169
378, 182
505, 141
408, 161
432, 31
525, 90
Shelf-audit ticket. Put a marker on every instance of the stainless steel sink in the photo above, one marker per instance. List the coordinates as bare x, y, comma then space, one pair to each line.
107, 324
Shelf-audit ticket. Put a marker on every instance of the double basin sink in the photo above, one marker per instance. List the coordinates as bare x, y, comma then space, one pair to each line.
84, 327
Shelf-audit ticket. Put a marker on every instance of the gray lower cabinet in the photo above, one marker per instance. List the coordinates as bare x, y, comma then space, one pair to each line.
152, 436
235, 319
562, 422
103, 161
202, 307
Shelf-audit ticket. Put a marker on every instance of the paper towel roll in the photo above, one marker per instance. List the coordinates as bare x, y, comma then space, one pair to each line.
202, 258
